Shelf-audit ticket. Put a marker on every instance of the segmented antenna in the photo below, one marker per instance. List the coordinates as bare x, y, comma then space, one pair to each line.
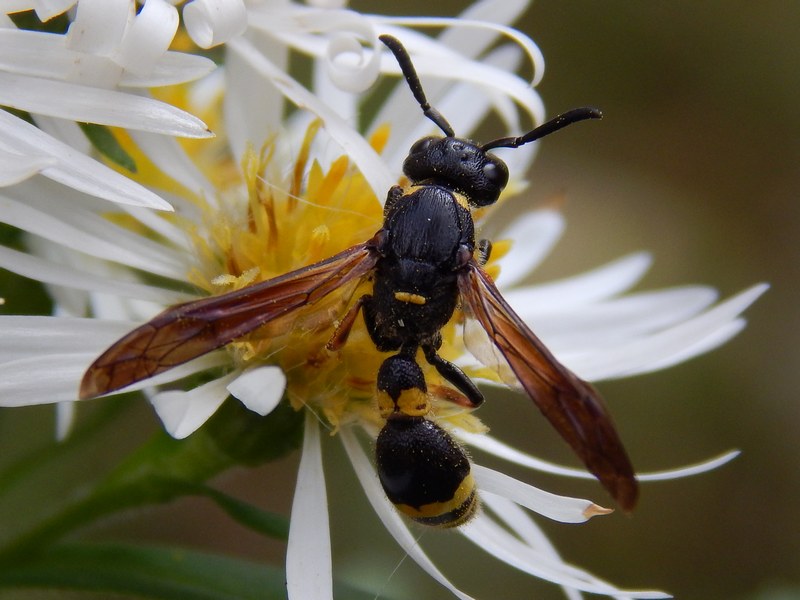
559, 122
410, 74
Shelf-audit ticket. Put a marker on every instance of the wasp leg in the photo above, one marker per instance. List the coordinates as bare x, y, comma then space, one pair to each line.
484, 251
454, 375
339, 337
395, 193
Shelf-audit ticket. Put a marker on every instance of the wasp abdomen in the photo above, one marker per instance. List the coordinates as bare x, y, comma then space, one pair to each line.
424, 472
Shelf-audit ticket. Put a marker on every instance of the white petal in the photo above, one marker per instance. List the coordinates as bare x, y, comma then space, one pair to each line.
451, 67
173, 161
667, 347
292, 28
502, 450
25, 336
65, 417
690, 470
172, 68
252, 104
213, 22
343, 103
198, 365
604, 282
90, 234
148, 37
73, 169
352, 143
260, 388
526, 529
64, 130
17, 167
47, 9
532, 236
42, 379
49, 56
309, 573
94, 105
98, 25
183, 412
46, 55
386, 512
601, 325
467, 37
552, 506
466, 108
60, 274
46, 377
496, 540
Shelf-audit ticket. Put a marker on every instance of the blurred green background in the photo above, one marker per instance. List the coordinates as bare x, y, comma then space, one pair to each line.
698, 161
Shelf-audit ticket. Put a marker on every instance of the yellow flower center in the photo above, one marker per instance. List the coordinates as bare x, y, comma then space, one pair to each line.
276, 214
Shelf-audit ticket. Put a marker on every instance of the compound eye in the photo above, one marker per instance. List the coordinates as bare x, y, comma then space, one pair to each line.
495, 173
422, 145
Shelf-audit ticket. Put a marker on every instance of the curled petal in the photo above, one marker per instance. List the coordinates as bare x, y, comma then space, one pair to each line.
148, 37
348, 66
99, 25
213, 22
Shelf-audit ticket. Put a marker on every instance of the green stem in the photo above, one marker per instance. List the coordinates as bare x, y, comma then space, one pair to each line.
164, 469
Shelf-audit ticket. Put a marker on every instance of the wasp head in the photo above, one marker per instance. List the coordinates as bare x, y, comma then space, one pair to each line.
458, 164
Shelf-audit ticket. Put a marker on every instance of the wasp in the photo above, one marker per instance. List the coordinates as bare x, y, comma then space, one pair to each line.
423, 264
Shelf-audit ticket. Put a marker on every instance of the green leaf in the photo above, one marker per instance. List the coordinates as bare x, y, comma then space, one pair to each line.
106, 144
264, 522
157, 573
150, 572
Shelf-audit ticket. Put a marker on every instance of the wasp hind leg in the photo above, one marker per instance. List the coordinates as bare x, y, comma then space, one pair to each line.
342, 332
454, 375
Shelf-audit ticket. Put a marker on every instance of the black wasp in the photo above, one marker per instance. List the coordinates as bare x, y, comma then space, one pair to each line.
423, 263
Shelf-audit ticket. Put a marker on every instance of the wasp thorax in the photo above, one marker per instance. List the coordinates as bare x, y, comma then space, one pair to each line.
459, 164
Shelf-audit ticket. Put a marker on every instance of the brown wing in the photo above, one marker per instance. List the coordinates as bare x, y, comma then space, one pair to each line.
571, 405
189, 330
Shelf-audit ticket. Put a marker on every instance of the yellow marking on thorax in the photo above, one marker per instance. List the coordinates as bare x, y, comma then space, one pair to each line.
462, 200
410, 298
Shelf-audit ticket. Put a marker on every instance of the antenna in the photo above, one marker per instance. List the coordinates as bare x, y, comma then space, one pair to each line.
410, 74
559, 122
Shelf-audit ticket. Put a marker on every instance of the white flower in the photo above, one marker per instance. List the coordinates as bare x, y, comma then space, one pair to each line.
269, 195
99, 71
